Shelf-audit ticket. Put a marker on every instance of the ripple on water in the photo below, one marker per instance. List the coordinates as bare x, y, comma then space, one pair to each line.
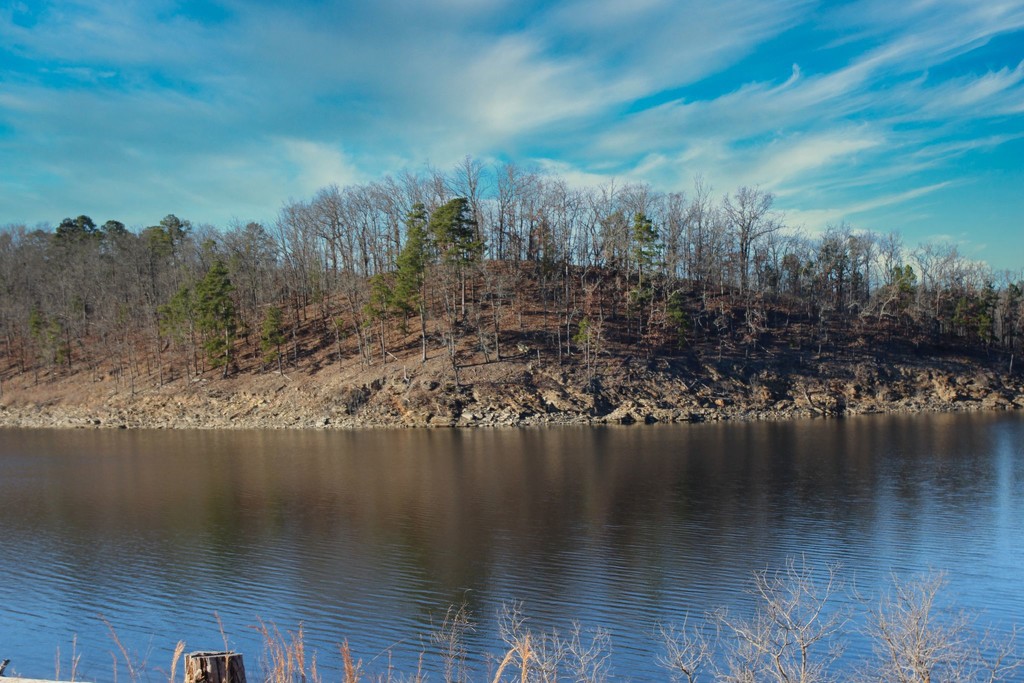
622, 529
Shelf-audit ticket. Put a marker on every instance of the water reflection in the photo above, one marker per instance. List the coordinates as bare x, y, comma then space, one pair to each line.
367, 535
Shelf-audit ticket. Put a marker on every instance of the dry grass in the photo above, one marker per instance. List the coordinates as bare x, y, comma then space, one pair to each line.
133, 663
789, 638
76, 658
352, 669
179, 649
284, 656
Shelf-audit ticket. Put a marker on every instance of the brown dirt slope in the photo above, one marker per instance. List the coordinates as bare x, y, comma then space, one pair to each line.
531, 387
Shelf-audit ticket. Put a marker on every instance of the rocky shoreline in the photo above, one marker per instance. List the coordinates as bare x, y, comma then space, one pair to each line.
520, 393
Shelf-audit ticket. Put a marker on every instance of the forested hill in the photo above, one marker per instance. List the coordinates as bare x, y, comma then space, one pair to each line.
430, 300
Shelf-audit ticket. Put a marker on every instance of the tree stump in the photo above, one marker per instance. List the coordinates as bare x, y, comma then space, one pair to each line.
214, 667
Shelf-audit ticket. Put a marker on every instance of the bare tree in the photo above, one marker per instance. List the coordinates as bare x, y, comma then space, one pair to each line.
916, 640
688, 651
674, 236
750, 218
705, 237
792, 637
583, 656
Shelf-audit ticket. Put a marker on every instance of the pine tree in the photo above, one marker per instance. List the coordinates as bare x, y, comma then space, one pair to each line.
646, 252
453, 229
408, 294
677, 319
272, 336
454, 232
379, 308
216, 315
646, 248
178, 321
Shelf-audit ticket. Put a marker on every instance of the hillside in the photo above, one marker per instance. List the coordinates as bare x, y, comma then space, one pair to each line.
792, 365
407, 304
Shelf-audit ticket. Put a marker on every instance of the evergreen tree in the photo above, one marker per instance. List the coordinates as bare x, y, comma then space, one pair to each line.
177, 321
75, 230
272, 336
454, 232
37, 329
645, 252
408, 294
677, 318
378, 308
216, 316
646, 249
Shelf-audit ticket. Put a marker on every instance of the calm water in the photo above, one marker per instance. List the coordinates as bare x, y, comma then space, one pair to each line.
369, 536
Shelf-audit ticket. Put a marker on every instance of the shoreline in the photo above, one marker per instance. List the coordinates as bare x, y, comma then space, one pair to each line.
75, 421
518, 393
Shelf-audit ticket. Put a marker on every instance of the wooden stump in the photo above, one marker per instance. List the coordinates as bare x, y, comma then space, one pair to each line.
214, 667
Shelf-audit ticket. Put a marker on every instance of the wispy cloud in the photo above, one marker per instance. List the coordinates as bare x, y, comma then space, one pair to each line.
316, 165
227, 108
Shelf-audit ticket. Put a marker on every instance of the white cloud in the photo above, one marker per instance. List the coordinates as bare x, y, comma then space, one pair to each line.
316, 165
521, 88
573, 175
273, 100
662, 44
817, 220
945, 151
994, 93
791, 158
897, 198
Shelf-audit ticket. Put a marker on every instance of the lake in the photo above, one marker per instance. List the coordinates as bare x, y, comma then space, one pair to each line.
368, 536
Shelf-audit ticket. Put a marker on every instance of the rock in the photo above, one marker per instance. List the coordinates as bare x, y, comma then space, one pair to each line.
994, 401
627, 413
946, 389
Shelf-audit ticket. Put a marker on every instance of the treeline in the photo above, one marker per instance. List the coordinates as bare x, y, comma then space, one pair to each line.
477, 260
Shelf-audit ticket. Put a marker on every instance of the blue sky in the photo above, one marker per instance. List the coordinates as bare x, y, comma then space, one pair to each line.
890, 115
